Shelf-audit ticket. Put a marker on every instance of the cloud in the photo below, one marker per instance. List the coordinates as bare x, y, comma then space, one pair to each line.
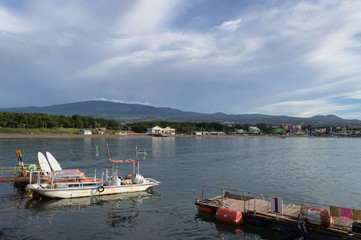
118, 101
278, 58
354, 95
305, 108
231, 25
10, 22
146, 17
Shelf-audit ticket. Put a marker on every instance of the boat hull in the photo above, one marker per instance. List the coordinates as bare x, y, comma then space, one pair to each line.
96, 190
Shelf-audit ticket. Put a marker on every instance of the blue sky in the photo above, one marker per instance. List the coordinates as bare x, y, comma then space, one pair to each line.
295, 58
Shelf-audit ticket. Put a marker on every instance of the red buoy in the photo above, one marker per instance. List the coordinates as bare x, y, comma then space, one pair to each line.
229, 216
205, 209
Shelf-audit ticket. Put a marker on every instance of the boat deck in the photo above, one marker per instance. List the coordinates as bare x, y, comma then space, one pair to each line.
256, 208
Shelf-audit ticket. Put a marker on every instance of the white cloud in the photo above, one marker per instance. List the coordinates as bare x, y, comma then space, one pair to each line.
304, 108
9, 22
354, 95
231, 25
146, 17
118, 101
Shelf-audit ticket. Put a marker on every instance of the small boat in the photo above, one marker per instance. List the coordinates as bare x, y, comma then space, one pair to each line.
73, 184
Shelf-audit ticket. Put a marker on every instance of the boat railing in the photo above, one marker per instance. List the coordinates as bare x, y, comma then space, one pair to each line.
35, 176
41, 178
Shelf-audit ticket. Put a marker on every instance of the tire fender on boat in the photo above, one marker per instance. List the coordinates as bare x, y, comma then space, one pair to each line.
100, 189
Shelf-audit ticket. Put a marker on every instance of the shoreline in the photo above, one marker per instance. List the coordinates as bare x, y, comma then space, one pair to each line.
55, 135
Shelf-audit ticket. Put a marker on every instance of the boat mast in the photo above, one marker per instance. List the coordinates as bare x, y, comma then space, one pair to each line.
110, 158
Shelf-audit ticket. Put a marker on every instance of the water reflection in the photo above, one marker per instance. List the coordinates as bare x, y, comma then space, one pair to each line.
227, 231
122, 209
47, 204
163, 147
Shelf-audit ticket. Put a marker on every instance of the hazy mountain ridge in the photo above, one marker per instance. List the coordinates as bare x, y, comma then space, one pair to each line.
136, 112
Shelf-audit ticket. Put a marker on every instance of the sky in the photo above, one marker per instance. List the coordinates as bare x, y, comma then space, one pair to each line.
294, 58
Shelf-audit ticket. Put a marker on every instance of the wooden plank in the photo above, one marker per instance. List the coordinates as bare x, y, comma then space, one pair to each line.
15, 179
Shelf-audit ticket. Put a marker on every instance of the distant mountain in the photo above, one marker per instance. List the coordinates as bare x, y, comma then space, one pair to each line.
123, 112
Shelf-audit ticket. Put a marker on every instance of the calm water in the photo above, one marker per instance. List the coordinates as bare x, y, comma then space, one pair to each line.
320, 170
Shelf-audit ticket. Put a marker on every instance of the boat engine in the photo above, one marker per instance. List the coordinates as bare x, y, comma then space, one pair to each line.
138, 179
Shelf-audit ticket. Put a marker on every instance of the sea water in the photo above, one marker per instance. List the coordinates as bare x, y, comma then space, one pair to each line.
317, 170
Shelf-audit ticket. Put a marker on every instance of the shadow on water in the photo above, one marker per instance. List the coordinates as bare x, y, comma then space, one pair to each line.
269, 231
245, 230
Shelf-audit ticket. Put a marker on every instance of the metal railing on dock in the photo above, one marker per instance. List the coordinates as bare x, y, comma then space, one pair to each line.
246, 196
14, 174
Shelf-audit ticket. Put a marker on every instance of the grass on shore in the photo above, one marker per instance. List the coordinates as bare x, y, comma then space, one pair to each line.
39, 131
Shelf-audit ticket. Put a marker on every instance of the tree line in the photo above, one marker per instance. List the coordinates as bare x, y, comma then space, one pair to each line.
41, 120
184, 127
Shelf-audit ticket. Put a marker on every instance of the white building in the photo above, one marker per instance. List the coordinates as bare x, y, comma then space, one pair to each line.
254, 130
85, 132
159, 130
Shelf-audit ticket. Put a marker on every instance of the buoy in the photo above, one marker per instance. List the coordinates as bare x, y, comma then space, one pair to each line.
205, 209
229, 216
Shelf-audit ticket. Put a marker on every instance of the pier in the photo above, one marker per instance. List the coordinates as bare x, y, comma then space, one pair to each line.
14, 174
257, 209
18, 174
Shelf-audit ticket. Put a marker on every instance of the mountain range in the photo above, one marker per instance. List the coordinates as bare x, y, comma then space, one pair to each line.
124, 112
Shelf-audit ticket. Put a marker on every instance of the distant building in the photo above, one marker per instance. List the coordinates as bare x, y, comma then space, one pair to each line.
254, 130
85, 132
320, 130
290, 128
197, 133
158, 130
216, 133
241, 131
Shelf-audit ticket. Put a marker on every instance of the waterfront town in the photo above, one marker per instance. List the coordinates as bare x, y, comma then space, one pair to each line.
285, 130
298, 130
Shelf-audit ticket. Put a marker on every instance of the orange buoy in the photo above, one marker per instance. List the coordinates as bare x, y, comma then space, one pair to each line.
229, 216
205, 209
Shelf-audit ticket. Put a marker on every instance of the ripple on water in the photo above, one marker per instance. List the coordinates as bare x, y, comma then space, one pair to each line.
298, 169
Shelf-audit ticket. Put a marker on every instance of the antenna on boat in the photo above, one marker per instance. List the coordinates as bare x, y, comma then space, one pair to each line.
137, 153
108, 152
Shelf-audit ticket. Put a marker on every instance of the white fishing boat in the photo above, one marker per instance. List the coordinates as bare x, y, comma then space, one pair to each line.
63, 184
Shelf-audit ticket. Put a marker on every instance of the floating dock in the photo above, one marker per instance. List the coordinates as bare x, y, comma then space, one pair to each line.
19, 174
235, 206
14, 174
